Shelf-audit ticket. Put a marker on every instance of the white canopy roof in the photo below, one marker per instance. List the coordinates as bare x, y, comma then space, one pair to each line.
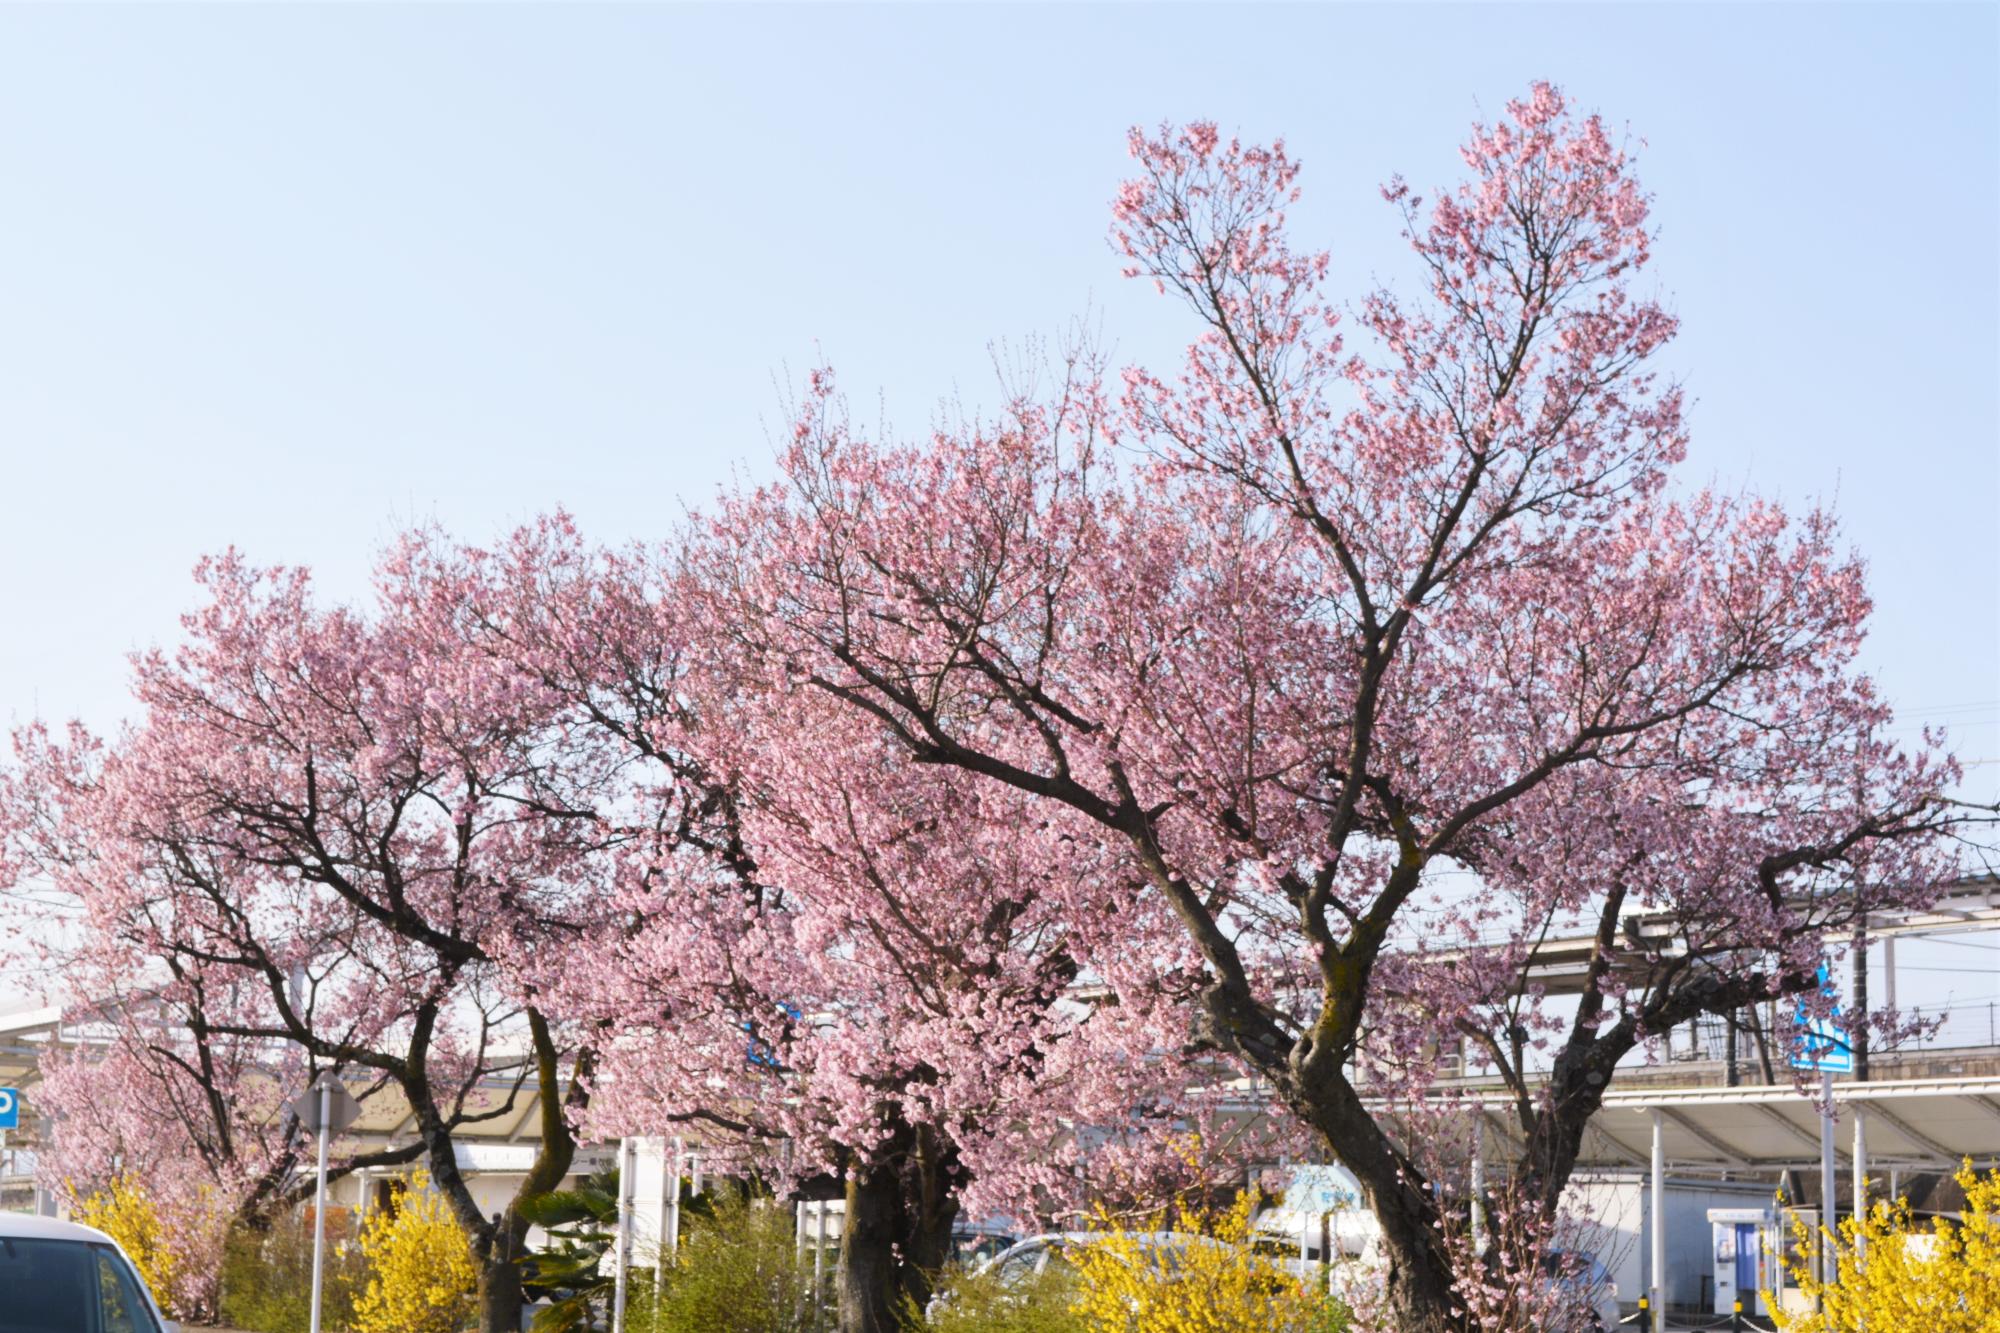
1913, 1124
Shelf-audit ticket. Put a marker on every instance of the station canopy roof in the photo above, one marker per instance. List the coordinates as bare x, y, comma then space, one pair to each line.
1927, 1124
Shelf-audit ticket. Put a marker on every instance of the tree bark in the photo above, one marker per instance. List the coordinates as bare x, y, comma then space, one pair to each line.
1417, 1280
501, 1299
896, 1233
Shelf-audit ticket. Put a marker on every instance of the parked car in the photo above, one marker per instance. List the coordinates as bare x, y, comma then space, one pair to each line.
972, 1246
1048, 1254
58, 1277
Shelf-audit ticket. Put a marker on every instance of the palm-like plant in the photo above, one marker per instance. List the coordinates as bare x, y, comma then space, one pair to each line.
572, 1273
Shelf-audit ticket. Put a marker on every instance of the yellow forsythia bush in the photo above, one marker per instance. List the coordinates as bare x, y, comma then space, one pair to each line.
125, 1212
1891, 1273
422, 1278
1217, 1282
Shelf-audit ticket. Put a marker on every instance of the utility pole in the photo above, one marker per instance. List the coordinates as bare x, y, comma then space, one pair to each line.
1828, 1217
1861, 1003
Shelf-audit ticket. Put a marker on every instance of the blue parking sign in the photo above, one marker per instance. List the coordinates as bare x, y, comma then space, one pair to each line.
10, 1108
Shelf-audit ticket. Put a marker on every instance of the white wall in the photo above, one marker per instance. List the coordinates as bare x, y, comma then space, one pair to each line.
1619, 1231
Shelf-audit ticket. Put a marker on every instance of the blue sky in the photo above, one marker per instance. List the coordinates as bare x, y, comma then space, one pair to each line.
291, 277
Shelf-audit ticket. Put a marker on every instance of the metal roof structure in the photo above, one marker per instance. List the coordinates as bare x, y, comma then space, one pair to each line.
1928, 1124
23, 1037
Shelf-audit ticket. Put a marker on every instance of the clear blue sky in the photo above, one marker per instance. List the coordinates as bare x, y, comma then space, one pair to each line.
292, 277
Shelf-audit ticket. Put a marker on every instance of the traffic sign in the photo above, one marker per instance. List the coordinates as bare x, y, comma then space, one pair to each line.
342, 1109
1818, 1043
1321, 1189
10, 1108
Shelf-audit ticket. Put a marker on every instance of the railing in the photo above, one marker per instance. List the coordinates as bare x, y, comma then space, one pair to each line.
1962, 1025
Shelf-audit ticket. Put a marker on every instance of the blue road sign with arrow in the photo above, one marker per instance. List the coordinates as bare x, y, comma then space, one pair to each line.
1819, 1044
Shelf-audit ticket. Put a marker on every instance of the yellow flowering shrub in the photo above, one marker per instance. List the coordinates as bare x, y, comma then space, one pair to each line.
1889, 1272
1214, 1282
422, 1278
125, 1212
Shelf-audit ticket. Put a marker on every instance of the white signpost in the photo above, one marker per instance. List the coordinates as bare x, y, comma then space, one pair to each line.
325, 1109
623, 1259
1820, 1046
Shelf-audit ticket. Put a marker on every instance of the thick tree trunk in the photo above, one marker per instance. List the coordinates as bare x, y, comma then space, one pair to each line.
1554, 1136
896, 1233
500, 1298
1417, 1280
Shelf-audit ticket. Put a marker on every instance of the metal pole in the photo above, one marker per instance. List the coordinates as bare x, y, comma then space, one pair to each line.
819, 1261
319, 1197
1889, 971
1859, 1039
1478, 1186
1658, 1208
1860, 1205
1827, 1213
1326, 1240
673, 1228
624, 1236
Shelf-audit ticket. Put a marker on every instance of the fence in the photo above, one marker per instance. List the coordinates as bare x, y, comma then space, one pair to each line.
1962, 1025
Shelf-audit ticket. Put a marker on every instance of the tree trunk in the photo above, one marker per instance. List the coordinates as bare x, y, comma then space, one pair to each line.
500, 1298
1417, 1281
896, 1233
1417, 1277
499, 1242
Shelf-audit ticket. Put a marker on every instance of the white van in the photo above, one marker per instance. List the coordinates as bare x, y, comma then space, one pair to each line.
58, 1277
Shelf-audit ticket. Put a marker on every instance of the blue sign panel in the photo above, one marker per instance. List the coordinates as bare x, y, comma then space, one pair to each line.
10, 1108
1818, 1044
1322, 1189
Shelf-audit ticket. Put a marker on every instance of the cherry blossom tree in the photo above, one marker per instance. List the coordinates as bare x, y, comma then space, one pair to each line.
1363, 655
831, 964
344, 820
147, 1095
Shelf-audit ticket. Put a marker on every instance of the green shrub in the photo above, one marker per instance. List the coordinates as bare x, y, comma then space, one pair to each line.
267, 1276
738, 1272
980, 1304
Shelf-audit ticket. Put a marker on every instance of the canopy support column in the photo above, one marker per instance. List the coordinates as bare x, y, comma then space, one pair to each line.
1658, 1207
